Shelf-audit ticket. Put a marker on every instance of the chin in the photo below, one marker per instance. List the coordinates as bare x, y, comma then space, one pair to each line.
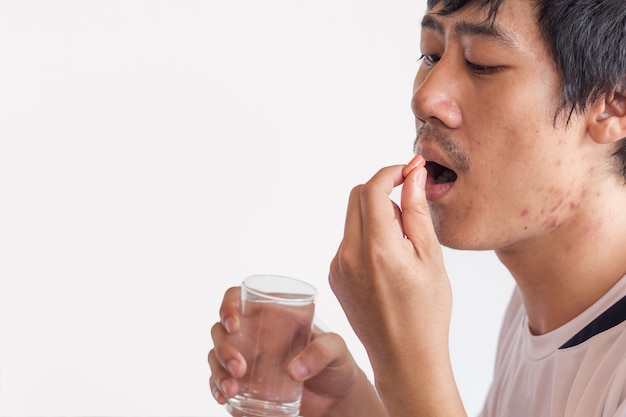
460, 236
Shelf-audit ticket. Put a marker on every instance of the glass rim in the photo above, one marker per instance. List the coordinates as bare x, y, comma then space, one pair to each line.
304, 292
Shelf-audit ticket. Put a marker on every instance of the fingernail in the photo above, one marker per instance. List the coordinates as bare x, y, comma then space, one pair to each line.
227, 387
223, 386
232, 366
229, 324
299, 370
216, 392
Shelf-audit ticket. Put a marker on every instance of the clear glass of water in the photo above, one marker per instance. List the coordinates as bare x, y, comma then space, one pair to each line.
276, 321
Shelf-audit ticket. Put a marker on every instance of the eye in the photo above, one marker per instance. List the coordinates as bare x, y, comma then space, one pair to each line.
482, 69
429, 59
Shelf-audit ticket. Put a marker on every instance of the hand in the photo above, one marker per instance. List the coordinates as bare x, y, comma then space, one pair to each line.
334, 385
388, 273
390, 279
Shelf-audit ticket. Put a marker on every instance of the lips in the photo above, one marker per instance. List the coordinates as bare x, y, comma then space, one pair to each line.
440, 180
439, 174
442, 173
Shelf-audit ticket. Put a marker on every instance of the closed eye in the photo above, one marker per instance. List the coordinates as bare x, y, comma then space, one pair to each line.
482, 69
429, 59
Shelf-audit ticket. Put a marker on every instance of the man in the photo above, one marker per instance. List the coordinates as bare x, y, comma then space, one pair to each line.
521, 116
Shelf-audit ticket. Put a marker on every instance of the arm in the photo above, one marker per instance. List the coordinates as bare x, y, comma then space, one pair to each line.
389, 277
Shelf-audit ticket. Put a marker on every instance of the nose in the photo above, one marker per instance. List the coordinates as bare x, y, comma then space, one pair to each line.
435, 93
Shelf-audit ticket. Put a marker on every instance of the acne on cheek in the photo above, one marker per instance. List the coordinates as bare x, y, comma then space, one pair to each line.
573, 204
557, 206
552, 220
562, 202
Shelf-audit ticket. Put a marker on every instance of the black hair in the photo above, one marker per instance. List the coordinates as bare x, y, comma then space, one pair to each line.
587, 40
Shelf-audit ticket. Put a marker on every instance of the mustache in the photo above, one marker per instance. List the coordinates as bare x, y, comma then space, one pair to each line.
453, 151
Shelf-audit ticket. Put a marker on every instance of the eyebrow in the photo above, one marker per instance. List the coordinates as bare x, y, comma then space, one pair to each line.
463, 28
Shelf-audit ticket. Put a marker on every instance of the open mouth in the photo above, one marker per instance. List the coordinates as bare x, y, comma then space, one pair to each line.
439, 174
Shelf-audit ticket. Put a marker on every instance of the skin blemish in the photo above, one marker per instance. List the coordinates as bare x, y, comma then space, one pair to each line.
556, 207
525, 212
573, 204
551, 222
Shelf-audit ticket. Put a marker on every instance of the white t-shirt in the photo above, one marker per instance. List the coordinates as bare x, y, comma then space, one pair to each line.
577, 370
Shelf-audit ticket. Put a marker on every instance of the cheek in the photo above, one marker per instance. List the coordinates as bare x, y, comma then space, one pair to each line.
554, 206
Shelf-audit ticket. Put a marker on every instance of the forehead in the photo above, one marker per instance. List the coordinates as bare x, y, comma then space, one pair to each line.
514, 24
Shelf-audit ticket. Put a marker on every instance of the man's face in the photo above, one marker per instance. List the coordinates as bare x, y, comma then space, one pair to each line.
485, 99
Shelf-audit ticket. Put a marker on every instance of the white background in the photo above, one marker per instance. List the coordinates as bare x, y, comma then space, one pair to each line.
154, 153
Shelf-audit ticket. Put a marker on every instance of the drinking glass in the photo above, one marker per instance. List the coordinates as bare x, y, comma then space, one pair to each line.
276, 320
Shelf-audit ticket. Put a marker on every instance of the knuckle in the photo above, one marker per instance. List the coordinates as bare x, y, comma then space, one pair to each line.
356, 191
319, 351
326, 349
366, 190
211, 359
348, 260
336, 340
343, 265
214, 364
230, 302
232, 292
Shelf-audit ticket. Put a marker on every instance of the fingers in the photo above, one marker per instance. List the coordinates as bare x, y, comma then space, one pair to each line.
229, 310
326, 350
226, 354
376, 206
352, 227
417, 162
371, 200
371, 217
416, 219
226, 362
351, 237
223, 386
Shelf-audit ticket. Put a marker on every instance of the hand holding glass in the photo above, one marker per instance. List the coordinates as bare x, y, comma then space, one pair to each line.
276, 321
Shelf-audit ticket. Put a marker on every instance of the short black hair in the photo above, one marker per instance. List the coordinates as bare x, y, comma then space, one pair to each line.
587, 40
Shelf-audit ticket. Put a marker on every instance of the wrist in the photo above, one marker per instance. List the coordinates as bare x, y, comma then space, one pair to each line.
418, 382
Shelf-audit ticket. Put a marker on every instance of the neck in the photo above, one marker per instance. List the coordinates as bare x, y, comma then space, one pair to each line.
562, 273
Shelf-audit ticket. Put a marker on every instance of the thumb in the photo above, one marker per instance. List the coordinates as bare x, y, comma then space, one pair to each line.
327, 351
416, 220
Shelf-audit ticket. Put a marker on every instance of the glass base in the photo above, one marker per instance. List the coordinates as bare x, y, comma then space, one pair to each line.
240, 406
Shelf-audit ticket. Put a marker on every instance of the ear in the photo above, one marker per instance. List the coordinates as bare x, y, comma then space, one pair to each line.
607, 119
